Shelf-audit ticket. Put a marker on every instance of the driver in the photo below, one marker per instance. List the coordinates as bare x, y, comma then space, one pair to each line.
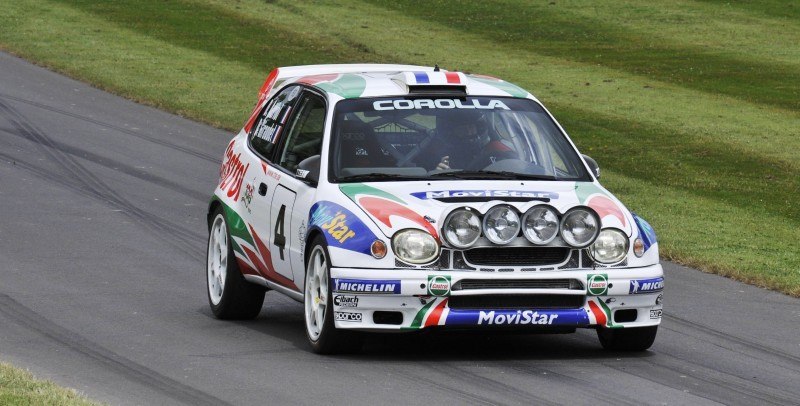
466, 143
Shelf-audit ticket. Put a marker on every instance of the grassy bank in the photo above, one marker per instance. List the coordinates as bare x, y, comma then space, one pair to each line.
690, 107
18, 387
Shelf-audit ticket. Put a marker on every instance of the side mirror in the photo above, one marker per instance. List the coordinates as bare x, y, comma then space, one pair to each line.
308, 170
592, 165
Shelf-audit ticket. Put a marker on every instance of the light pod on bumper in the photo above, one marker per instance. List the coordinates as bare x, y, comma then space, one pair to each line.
540, 224
415, 246
610, 247
462, 228
580, 226
501, 224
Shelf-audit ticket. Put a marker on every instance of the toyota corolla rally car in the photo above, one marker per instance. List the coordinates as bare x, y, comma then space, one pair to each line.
405, 198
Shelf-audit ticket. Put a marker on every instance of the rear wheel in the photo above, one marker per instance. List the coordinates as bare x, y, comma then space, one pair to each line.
229, 294
627, 339
320, 329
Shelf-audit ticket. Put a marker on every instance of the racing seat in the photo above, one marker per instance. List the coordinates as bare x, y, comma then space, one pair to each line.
358, 147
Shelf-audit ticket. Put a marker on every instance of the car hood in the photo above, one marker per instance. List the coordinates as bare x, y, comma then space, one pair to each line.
394, 206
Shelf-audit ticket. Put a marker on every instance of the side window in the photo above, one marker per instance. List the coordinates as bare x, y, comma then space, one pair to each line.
267, 130
304, 138
558, 163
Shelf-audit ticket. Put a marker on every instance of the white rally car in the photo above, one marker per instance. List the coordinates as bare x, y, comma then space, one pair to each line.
401, 198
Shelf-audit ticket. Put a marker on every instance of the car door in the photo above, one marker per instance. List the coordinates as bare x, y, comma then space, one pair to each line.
294, 196
267, 133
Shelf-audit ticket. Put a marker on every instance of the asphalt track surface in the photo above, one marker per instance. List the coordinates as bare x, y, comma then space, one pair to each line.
102, 249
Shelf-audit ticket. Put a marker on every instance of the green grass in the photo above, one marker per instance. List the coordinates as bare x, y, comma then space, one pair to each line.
692, 108
18, 387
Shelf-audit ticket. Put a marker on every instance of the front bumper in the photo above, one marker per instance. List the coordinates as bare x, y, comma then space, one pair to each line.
404, 299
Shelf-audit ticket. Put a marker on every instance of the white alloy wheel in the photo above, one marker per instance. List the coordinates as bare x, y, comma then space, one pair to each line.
217, 268
316, 297
230, 296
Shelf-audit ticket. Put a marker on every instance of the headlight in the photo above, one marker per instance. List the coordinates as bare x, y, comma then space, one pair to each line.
540, 224
501, 224
610, 247
580, 226
415, 246
462, 228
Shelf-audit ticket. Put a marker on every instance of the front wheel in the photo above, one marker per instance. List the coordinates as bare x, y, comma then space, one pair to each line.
320, 329
229, 294
627, 339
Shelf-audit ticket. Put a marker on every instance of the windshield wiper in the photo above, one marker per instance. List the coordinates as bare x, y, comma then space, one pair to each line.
377, 176
491, 175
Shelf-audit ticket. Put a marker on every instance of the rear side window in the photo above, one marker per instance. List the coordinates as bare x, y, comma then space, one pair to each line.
269, 127
304, 136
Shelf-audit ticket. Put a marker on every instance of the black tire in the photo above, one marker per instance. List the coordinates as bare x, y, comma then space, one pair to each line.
329, 339
627, 339
239, 299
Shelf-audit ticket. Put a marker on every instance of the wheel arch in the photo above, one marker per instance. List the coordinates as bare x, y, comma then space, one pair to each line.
312, 235
212, 207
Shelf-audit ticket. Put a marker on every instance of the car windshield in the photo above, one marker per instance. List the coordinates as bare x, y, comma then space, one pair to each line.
384, 139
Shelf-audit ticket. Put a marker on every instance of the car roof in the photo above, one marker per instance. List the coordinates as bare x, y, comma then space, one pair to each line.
349, 81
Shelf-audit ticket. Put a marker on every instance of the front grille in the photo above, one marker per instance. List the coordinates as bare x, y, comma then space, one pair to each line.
517, 256
459, 263
573, 261
516, 302
444, 260
471, 284
400, 264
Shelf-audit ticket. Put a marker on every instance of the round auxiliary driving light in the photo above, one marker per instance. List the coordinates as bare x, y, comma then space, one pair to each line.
462, 228
540, 224
501, 224
580, 226
610, 247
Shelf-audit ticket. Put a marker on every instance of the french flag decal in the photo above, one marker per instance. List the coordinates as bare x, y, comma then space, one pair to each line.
433, 78
452, 77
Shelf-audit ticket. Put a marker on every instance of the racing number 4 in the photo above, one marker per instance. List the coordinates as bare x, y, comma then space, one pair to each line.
280, 239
